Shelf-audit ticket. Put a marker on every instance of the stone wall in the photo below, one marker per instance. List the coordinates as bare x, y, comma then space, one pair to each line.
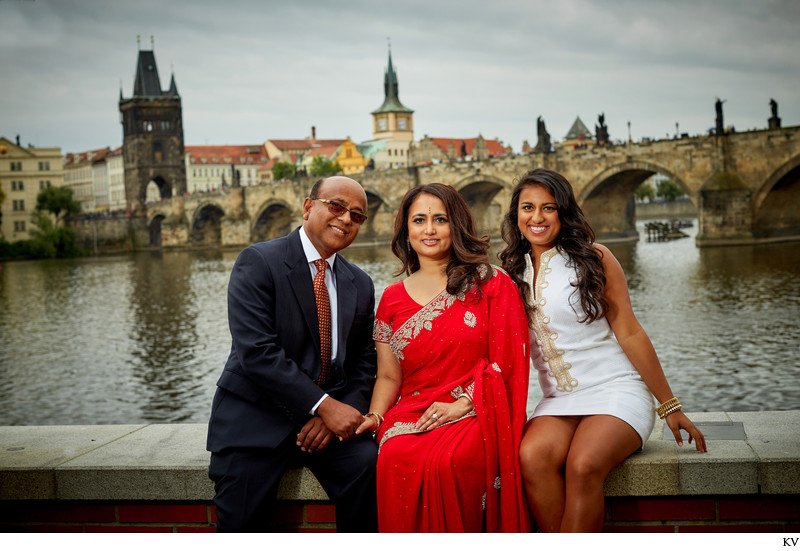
131, 478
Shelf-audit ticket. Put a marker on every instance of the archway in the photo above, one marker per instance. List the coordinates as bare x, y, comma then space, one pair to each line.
376, 225
155, 230
775, 207
275, 220
609, 199
481, 194
156, 190
207, 227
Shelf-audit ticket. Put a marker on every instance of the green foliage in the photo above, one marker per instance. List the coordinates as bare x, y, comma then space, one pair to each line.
321, 166
48, 241
283, 170
645, 191
57, 200
668, 190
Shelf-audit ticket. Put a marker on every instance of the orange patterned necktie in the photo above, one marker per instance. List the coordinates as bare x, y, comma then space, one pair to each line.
324, 314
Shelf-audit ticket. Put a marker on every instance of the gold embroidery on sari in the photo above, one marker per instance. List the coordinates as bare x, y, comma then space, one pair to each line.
469, 319
419, 321
558, 368
398, 429
382, 331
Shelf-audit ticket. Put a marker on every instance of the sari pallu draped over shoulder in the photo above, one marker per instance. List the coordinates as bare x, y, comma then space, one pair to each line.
465, 474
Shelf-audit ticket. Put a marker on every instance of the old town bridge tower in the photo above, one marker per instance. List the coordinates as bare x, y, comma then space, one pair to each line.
152, 142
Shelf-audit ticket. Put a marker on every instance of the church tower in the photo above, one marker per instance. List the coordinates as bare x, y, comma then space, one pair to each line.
152, 141
392, 119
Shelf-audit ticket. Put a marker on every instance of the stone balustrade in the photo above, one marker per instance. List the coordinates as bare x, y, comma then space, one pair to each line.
132, 478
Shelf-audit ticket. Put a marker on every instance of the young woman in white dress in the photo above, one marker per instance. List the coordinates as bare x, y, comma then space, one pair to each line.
596, 366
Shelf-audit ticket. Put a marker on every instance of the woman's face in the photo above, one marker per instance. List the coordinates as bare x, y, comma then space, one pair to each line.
429, 227
537, 218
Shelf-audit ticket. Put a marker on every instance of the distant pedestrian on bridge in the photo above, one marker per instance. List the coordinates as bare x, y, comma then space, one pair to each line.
597, 368
301, 369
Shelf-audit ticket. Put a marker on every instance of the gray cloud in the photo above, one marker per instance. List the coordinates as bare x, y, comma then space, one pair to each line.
250, 71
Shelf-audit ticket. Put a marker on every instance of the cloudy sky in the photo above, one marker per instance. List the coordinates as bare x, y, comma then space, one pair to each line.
252, 71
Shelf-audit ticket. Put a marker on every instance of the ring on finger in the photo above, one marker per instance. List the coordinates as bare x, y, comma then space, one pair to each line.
435, 416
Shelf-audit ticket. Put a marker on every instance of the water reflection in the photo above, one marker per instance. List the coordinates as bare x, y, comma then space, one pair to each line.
143, 337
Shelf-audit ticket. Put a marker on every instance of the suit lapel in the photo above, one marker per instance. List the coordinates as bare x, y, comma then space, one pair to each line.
299, 276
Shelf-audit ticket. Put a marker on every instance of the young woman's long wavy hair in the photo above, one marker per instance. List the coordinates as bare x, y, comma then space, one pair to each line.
468, 251
576, 238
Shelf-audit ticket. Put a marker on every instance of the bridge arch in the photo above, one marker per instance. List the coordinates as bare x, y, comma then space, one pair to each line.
775, 212
206, 226
274, 219
608, 198
380, 216
486, 196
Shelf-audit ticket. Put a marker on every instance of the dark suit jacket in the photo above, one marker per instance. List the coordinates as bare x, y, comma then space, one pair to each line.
268, 384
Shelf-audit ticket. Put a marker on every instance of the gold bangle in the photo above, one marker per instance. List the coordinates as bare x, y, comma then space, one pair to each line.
378, 418
670, 406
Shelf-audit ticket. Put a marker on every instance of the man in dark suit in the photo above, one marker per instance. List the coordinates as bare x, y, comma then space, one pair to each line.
288, 394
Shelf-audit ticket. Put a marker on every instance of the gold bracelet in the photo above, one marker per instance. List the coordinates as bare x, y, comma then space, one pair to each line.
670, 406
378, 418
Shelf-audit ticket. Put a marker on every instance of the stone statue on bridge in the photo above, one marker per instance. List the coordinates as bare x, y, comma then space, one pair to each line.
774, 121
601, 130
543, 145
720, 125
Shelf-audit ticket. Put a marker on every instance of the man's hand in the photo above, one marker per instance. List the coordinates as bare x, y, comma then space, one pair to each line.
314, 435
341, 419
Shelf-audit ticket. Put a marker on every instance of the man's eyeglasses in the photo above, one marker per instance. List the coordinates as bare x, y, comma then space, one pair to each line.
336, 209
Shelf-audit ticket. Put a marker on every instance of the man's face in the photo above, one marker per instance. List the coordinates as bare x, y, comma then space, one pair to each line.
330, 233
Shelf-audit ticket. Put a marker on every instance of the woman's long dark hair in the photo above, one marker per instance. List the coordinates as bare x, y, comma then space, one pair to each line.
576, 238
468, 251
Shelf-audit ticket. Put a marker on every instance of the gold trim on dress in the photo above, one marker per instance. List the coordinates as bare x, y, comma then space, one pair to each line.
419, 321
558, 368
382, 331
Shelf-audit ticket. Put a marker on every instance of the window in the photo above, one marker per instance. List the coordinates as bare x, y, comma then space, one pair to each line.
382, 124
17, 185
16, 166
19, 226
18, 204
401, 124
44, 165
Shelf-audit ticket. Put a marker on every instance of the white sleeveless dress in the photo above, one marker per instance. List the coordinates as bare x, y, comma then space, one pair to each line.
582, 369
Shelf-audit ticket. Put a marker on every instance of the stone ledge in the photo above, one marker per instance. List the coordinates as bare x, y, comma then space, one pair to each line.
170, 463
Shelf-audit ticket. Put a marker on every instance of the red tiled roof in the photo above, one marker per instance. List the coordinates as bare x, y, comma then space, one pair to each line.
226, 154
495, 147
303, 144
325, 150
71, 159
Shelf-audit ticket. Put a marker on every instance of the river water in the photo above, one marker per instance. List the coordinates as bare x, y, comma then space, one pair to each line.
142, 338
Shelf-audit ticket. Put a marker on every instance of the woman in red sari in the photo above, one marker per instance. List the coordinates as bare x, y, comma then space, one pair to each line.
448, 405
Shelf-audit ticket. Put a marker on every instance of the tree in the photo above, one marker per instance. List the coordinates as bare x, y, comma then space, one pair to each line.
322, 166
50, 241
668, 190
283, 170
645, 191
57, 200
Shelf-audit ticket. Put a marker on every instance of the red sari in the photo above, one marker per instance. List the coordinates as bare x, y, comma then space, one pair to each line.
463, 476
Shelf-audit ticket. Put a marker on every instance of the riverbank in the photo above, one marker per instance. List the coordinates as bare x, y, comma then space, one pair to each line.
133, 478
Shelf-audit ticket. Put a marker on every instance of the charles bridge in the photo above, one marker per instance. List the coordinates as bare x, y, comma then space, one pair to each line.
745, 186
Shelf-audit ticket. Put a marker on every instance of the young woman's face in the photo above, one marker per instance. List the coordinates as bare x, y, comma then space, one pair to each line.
537, 218
429, 227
